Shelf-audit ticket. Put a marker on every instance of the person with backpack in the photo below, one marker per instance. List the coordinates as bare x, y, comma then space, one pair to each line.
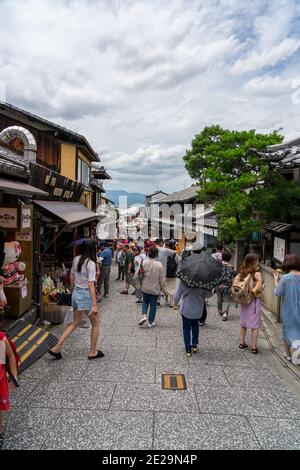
223, 290
9, 359
246, 290
153, 283
139, 257
288, 288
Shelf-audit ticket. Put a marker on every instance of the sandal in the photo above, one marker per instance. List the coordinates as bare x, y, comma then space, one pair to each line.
99, 354
243, 346
254, 350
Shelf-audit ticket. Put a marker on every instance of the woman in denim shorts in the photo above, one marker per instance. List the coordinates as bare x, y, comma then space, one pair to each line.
83, 277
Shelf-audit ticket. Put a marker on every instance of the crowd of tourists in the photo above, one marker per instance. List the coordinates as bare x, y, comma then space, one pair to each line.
152, 272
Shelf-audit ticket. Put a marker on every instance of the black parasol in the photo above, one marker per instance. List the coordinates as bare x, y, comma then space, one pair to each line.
201, 270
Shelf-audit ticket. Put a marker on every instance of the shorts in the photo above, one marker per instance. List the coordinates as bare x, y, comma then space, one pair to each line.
81, 299
130, 279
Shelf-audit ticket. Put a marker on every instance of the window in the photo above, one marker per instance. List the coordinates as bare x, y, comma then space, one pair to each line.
83, 172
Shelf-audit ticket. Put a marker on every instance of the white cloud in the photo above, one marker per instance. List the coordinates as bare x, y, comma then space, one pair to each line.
139, 79
268, 57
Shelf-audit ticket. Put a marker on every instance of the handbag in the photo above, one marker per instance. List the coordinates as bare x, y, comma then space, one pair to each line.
141, 273
69, 318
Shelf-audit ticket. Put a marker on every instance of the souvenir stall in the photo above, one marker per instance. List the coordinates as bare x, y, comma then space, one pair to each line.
60, 226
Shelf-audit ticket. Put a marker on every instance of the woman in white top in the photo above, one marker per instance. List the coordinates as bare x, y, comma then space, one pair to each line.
83, 277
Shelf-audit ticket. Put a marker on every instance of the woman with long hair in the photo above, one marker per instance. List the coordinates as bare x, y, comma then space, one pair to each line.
251, 313
288, 288
83, 277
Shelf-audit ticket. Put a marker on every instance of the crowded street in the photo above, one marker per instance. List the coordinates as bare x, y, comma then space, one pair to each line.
234, 399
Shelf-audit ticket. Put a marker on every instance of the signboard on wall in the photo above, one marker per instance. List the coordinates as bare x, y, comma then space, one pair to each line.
26, 218
279, 248
9, 217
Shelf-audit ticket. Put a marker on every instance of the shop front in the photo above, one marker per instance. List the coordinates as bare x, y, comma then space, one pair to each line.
277, 240
16, 244
59, 229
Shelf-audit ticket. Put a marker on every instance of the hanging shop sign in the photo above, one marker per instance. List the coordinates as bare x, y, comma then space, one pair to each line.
57, 186
25, 218
9, 217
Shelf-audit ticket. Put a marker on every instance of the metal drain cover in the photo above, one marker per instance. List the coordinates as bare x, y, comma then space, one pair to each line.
173, 382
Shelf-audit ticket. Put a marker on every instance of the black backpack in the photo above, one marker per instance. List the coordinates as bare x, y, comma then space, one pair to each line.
171, 267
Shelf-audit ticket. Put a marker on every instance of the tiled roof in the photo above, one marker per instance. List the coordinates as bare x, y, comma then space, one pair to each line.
9, 109
285, 155
12, 164
180, 196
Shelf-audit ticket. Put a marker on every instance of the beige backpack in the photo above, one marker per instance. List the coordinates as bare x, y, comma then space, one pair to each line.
241, 290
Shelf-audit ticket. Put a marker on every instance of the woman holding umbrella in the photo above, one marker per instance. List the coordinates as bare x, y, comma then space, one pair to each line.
199, 274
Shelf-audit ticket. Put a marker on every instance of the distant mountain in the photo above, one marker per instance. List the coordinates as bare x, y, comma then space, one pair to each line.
132, 198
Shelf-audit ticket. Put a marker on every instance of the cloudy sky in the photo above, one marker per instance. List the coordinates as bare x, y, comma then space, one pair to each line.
139, 78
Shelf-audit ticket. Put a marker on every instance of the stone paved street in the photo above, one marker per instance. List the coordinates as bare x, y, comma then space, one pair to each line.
234, 399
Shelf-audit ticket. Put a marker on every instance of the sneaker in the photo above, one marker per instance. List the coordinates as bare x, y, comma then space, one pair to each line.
142, 320
151, 325
288, 358
224, 317
188, 353
194, 348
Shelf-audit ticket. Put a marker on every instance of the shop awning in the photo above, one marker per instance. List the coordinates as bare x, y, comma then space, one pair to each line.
280, 227
21, 189
73, 213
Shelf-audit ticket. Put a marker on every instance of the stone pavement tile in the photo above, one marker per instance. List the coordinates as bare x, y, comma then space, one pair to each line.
120, 372
144, 332
239, 401
200, 374
253, 377
72, 395
38, 370
20, 394
66, 369
77, 430
113, 353
151, 355
151, 397
277, 433
190, 432
221, 357
128, 430
290, 402
115, 341
142, 341
118, 330
257, 360
27, 428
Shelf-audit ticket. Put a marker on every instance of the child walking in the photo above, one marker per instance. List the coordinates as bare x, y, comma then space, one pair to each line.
6, 355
